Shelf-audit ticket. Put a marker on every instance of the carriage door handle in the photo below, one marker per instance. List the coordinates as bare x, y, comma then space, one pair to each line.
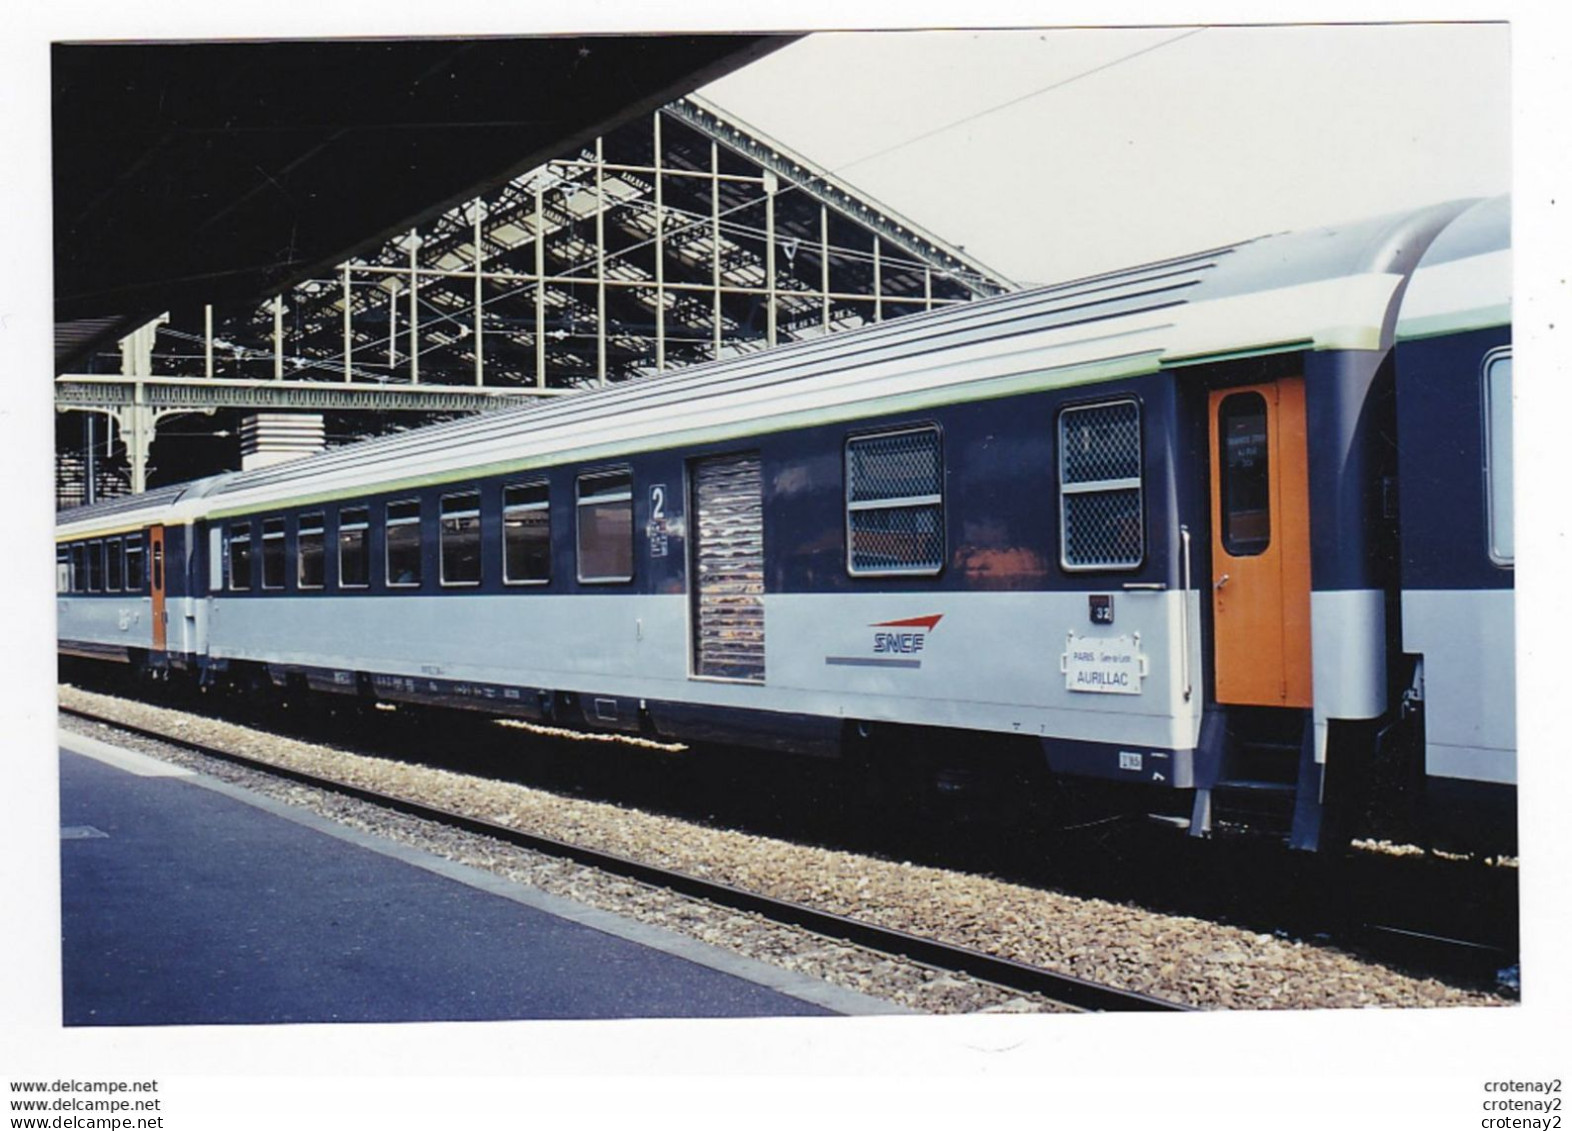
1219, 583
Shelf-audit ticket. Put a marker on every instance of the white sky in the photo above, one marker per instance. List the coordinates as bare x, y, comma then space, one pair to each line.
1058, 153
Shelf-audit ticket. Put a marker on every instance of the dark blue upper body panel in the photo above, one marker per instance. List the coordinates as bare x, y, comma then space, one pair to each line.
1444, 514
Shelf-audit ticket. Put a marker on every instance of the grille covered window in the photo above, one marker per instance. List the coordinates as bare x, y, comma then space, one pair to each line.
1100, 494
895, 503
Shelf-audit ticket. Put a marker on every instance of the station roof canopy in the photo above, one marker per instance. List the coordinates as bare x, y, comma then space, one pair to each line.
225, 171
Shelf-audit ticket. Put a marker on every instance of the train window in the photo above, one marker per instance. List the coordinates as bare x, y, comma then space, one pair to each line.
62, 569
272, 553
403, 556
239, 556
526, 534
309, 548
1100, 495
134, 564
114, 563
895, 503
95, 567
354, 555
605, 527
79, 567
460, 538
1498, 455
1245, 489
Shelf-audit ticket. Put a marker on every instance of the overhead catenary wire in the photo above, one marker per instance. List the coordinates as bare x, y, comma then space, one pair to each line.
1016, 101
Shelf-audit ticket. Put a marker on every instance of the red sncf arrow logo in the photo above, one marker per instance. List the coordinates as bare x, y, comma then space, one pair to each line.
912, 622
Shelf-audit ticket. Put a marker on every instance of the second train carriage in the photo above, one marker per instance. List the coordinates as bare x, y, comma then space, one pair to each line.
1168, 524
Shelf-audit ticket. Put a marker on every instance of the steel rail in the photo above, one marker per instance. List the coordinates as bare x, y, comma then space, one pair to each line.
1019, 976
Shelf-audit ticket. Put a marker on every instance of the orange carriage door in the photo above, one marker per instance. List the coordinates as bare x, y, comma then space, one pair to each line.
1261, 544
155, 554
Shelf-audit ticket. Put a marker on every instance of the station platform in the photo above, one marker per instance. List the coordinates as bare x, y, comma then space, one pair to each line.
186, 901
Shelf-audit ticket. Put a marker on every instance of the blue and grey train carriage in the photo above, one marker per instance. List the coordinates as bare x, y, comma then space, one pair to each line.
125, 576
1154, 528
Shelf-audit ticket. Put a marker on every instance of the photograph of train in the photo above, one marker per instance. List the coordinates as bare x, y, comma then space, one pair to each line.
1085, 521
989, 523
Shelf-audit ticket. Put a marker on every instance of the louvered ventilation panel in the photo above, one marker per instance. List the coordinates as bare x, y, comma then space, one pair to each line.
728, 560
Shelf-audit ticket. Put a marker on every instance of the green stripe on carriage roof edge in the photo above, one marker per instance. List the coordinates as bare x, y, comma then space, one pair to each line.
993, 389
1236, 355
1455, 322
1351, 337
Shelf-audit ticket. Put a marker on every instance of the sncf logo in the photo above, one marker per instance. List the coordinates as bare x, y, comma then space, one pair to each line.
903, 637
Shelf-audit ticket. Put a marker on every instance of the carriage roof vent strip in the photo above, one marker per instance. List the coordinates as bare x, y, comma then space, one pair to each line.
1108, 295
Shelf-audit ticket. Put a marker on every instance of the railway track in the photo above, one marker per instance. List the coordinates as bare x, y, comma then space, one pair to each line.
1075, 993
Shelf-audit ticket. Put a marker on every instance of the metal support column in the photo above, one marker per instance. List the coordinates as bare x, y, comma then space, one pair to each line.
392, 325
540, 285
278, 337
477, 236
771, 184
207, 340
137, 420
137, 424
90, 457
600, 262
660, 256
414, 308
349, 338
715, 267
878, 282
824, 260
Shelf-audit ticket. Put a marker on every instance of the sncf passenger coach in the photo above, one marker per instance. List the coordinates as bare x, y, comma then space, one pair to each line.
1234, 528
